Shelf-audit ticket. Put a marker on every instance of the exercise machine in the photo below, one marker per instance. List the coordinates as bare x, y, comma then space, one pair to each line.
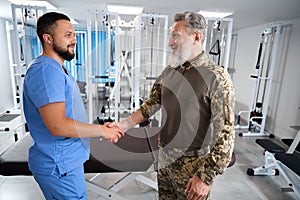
99, 62
24, 46
265, 66
218, 40
279, 161
129, 56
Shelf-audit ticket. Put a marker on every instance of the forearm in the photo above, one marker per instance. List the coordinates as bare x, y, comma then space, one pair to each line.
134, 119
75, 129
54, 118
150, 106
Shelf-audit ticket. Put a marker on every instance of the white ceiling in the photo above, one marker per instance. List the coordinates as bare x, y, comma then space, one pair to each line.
247, 13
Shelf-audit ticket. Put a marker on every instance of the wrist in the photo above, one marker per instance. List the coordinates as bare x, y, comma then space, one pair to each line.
127, 123
101, 130
203, 177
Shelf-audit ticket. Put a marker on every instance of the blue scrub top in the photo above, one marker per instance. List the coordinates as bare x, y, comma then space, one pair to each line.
45, 82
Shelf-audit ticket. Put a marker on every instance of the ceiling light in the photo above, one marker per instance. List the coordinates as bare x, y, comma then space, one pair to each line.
126, 10
214, 14
46, 4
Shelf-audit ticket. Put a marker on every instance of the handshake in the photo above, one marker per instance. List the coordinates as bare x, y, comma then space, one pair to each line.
113, 131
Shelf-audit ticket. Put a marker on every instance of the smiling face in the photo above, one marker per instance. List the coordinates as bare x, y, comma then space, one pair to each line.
181, 43
64, 40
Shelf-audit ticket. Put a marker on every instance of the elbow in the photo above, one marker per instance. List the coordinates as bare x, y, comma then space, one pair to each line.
56, 130
62, 129
63, 132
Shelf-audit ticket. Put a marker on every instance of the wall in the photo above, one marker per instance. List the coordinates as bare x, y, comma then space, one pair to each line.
285, 101
6, 100
285, 96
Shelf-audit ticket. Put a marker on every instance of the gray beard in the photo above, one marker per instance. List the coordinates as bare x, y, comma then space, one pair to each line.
176, 60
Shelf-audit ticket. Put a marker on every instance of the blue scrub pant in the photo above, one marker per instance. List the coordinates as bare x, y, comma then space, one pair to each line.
68, 186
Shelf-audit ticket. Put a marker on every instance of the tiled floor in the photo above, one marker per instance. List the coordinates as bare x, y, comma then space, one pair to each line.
234, 184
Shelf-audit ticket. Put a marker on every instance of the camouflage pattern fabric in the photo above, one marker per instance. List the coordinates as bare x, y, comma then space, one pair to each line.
219, 106
173, 178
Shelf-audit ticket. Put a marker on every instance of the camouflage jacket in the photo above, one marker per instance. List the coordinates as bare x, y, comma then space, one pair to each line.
198, 111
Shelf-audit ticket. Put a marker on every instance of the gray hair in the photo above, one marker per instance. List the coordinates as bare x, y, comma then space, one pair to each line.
194, 21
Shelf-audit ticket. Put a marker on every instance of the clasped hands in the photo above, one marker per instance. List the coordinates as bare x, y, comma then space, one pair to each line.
113, 131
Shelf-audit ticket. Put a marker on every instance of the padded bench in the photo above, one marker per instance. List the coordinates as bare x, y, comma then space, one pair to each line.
277, 160
269, 167
292, 161
270, 146
14, 161
133, 154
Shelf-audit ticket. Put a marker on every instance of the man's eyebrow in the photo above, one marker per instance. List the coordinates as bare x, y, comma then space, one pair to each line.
174, 31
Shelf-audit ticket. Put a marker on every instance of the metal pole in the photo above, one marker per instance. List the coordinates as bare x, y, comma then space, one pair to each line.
89, 70
269, 82
228, 44
16, 60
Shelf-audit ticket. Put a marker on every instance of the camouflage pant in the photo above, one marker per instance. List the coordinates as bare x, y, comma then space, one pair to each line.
174, 175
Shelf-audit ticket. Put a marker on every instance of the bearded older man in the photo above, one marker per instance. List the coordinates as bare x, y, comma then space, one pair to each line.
197, 97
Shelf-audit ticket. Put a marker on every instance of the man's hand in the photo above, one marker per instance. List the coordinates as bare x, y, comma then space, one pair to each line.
129, 122
113, 133
117, 124
197, 189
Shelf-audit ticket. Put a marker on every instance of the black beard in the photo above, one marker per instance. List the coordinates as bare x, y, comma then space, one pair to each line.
65, 54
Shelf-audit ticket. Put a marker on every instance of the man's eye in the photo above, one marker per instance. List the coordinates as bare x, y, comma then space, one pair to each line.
175, 35
69, 35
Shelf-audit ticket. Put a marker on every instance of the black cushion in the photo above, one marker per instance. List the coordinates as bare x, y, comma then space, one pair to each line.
270, 146
131, 153
292, 161
14, 161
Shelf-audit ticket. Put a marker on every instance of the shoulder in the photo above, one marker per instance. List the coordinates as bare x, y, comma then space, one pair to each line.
43, 65
43, 71
215, 76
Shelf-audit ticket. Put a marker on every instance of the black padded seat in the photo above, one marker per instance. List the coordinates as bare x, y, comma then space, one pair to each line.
131, 154
14, 161
8, 117
292, 161
270, 146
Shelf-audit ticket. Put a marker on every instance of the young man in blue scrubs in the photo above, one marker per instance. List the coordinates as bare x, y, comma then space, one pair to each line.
56, 116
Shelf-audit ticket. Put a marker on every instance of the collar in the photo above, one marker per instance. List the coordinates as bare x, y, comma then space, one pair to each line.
194, 62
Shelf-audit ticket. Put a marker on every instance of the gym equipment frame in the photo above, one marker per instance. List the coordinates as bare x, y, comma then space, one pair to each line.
265, 66
218, 40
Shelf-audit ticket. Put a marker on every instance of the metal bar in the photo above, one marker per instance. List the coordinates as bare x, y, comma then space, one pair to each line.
294, 144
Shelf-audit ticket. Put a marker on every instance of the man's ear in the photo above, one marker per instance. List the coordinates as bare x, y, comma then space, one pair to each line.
198, 36
47, 38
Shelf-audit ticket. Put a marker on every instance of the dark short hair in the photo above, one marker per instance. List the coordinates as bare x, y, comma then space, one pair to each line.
47, 22
194, 21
